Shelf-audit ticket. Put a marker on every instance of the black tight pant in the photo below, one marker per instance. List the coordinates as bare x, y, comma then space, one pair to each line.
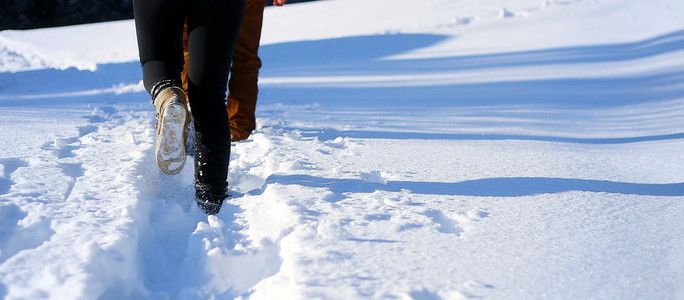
213, 26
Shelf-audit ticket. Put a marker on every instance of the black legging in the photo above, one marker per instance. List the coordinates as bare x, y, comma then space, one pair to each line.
213, 26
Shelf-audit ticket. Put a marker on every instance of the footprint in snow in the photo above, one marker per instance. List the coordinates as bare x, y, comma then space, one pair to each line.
100, 114
7, 167
506, 13
86, 129
377, 217
424, 294
73, 171
62, 147
19, 232
461, 21
445, 224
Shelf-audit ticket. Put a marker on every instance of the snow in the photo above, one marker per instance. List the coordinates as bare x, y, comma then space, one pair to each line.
405, 149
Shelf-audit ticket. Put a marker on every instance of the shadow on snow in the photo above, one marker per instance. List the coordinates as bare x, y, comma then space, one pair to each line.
51, 87
329, 134
487, 187
363, 56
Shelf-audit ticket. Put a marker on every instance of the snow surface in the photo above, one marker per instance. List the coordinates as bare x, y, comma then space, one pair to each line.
431, 149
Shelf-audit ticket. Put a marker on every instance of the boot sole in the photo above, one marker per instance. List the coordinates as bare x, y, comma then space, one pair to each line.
170, 147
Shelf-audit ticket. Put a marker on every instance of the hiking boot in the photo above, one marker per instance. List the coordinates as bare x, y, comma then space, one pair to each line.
209, 208
172, 125
237, 135
210, 197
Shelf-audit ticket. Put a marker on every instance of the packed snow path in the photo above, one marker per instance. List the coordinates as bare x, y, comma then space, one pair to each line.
424, 150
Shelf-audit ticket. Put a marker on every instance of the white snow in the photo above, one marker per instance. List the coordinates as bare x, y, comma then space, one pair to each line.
432, 149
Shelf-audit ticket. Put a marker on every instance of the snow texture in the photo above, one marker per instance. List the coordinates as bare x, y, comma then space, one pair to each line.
432, 149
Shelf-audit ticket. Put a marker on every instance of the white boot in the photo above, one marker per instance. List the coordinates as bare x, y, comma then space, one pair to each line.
172, 126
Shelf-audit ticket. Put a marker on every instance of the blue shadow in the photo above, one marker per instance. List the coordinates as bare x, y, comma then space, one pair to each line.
328, 134
51, 87
488, 187
362, 56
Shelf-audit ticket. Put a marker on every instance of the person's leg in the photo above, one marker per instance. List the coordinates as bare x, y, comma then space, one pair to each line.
212, 30
186, 57
243, 89
159, 25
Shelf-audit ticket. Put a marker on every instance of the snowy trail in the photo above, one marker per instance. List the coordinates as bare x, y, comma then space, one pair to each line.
78, 177
112, 225
424, 150
308, 219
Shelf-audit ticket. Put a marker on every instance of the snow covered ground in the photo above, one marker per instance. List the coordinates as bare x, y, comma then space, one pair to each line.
432, 149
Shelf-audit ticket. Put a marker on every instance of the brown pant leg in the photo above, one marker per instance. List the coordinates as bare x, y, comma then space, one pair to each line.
186, 56
243, 89
244, 72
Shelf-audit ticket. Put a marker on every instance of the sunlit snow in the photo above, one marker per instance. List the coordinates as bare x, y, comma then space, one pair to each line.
432, 149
